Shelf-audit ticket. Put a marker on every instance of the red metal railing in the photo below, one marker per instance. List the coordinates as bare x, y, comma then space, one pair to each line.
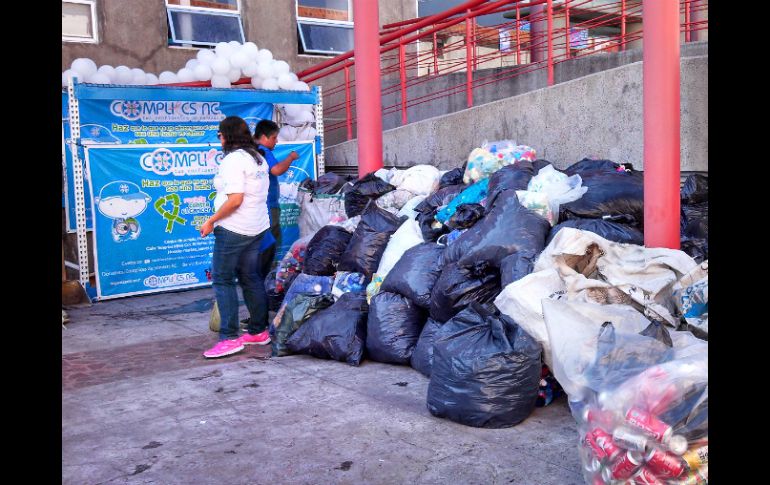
539, 36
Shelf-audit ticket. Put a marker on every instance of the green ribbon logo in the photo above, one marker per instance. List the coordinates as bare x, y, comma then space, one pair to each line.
172, 216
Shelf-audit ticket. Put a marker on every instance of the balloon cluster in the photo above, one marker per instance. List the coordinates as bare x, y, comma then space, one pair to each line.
225, 64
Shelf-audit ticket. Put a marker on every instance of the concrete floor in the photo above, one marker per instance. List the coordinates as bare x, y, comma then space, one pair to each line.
141, 405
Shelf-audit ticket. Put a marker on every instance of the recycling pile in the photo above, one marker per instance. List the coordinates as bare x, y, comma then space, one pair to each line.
508, 282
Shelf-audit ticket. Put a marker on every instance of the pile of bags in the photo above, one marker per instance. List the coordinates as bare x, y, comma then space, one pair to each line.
451, 273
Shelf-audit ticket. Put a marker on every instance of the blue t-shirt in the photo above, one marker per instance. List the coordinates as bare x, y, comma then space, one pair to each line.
274, 190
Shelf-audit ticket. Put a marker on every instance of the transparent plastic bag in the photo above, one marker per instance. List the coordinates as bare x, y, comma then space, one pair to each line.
291, 264
640, 398
549, 189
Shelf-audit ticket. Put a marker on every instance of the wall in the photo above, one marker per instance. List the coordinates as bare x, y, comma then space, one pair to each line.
135, 33
599, 115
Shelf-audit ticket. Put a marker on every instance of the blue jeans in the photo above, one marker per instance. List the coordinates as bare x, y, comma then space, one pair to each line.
238, 255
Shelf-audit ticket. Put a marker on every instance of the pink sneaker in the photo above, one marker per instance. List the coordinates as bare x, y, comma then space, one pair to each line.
223, 348
262, 338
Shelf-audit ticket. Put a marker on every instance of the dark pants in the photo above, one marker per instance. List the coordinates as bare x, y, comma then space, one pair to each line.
238, 255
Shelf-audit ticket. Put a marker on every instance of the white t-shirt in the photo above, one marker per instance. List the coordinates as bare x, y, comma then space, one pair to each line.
239, 173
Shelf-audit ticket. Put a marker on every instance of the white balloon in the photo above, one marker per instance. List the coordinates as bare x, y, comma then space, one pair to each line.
167, 77
223, 49
234, 75
281, 67
264, 55
285, 81
293, 77
264, 70
287, 133
235, 44
219, 81
186, 75
256, 81
192, 64
205, 56
203, 72
270, 83
300, 86
138, 76
292, 110
220, 66
84, 66
108, 71
150, 79
123, 75
98, 78
251, 50
69, 73
250, 69
239, 59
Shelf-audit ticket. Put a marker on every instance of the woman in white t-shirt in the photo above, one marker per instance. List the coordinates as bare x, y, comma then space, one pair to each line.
240, 222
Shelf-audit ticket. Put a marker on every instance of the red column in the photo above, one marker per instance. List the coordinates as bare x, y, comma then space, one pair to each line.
366, 49
661, 123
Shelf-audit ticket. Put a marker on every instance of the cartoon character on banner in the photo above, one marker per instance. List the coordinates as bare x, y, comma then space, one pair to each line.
123, 201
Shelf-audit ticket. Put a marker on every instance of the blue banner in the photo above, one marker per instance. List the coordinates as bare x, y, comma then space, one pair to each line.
301, 169
124, 120
149, 203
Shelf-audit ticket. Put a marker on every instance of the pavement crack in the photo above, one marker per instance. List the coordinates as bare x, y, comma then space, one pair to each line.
214, 373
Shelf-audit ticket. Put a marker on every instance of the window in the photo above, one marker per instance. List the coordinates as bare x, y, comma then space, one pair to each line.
78, 21
325, 26
203, 23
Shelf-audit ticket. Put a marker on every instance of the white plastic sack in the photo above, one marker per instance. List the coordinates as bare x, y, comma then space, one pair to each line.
394, 200
408, 208
396, 176
318, 211
572, 328
597, 270
521, 300
405, 237
420, 180
383, 174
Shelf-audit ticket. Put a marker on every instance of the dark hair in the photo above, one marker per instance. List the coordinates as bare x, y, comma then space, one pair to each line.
237, 136
266, 128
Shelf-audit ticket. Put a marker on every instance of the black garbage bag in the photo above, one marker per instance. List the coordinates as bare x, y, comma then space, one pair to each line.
694, 221
465, 216
337, 332
369, 240
588, 166
510, 177
439, 198
486, 370
274, 298
452, 177
612, 231
393, 327
330, 183
697, 249
297, 312
325, 249
416, 273
366, 188
457, 287
695, 189
507, 228
609, 194
516, 266
540, 163
422, 357
430, 228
